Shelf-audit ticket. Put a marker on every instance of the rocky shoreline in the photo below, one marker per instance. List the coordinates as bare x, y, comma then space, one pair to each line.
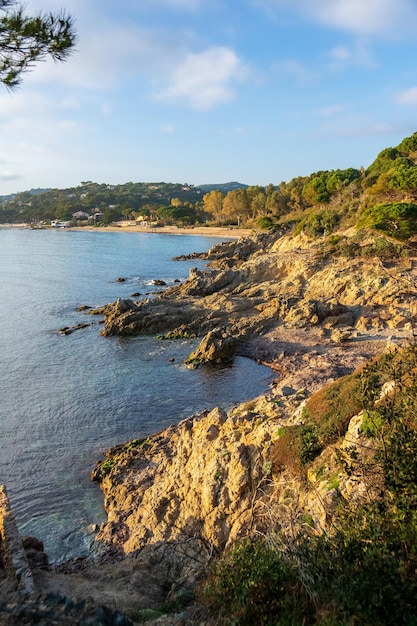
178, 498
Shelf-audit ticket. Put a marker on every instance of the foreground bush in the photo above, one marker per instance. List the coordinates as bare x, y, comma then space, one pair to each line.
253, 584
363, 571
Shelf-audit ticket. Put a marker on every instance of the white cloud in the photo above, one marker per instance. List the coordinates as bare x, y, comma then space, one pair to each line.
67, 126
362, 17
21, 106
111, 54
105, 57
71, 6
203, 80
370, 17
178, 4
157, 60
407, 97
41, 120
77, 7
105, 109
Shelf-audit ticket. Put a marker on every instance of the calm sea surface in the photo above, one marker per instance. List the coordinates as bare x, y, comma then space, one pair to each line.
65, 399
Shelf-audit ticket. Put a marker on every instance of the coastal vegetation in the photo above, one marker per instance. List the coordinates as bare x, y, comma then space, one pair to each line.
382, 197
362, 570
327, 524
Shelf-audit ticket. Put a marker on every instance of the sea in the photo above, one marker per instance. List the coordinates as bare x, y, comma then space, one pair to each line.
65, 399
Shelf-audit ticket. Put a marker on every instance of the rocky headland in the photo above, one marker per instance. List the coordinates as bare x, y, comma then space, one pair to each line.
177, 499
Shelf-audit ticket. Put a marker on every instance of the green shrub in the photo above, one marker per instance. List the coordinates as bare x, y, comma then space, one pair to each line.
385, 249
318, 223
358, 574
371, 423
381, 247
295, 447
107, 465
252, 584
266, 222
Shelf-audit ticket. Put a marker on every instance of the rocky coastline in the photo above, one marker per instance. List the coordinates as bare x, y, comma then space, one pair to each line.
180, 497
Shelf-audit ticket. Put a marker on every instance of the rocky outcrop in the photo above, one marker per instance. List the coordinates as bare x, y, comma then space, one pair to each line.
209, 480
277, 282
205, 283
176, 499
219, 344
195, 484
192, 490
13, 555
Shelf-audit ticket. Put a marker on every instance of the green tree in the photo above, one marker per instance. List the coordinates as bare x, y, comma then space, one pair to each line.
397, 219
269, 189
25, 40
293, 193
315, 191
277, 203
181, 214
382, 163
339, 179
110, 215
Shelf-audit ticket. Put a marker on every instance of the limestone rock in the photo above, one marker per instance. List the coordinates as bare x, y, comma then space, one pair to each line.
217, 345
201, 283
195, 479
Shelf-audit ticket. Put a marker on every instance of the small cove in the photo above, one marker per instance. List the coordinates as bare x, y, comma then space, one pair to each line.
65, 399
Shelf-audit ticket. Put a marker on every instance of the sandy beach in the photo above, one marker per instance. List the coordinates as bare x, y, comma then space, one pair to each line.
225, 232
209, 231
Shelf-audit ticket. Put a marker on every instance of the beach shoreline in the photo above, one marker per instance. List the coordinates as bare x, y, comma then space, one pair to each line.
209, 231
229, 232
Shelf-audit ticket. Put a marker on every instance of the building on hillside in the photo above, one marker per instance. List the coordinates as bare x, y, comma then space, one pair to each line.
80, 215
96, 217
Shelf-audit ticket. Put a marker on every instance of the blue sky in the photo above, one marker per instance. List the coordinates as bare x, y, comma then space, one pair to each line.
210, 91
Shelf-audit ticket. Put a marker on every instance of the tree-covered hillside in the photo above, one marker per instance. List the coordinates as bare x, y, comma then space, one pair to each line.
114, 201
382, 197
169, 201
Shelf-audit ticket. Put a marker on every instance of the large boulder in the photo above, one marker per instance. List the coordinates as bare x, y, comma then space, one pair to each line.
217, 345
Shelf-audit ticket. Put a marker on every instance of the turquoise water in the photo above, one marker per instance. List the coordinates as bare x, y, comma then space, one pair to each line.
65, 399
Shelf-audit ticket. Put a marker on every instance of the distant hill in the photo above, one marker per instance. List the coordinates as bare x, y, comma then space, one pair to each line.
32, 192
224, 187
